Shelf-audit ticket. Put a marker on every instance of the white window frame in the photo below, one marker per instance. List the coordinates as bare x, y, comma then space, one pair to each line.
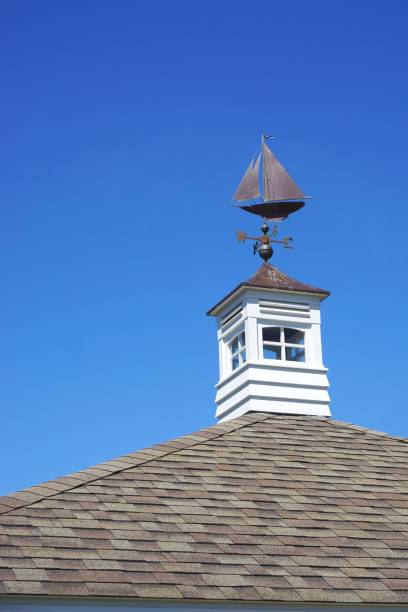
241, 351
282, 344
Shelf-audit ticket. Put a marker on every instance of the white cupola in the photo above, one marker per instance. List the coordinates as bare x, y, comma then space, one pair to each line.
270, 352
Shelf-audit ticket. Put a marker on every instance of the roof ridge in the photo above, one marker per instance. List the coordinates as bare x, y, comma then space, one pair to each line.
31, 495
367, 430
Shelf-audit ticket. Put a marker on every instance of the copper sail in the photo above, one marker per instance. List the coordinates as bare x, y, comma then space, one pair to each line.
281, 196
248, 189
278, 186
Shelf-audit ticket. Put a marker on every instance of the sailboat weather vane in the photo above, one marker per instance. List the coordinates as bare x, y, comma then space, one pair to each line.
280, 197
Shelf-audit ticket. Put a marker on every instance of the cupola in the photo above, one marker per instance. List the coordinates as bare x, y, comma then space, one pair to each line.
270, 350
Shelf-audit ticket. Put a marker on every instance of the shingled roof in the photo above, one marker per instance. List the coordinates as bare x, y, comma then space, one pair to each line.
266, 507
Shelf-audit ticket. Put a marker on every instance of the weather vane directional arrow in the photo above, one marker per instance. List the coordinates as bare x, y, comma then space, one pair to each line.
262, 244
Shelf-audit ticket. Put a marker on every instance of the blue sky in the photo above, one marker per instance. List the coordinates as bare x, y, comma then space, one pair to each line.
125, 127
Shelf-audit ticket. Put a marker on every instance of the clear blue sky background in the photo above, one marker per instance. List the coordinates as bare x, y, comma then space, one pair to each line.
125, 127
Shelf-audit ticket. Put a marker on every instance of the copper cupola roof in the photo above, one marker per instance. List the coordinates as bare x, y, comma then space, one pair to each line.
270, 277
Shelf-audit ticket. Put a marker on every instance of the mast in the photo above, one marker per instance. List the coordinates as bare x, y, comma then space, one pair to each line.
278, 185
265, 177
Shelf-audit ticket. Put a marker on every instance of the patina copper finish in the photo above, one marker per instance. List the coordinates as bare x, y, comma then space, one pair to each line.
270, 277
274, 210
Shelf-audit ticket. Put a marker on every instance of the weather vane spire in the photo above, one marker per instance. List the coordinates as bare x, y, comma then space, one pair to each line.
278, 197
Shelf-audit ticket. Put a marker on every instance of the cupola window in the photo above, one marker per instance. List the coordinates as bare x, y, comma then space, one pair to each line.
283, 343
237, 351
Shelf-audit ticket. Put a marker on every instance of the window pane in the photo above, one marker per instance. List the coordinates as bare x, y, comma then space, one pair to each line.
243, 356
294, 354
234, 345
235, 362
242, 339
271, 334
294, 336
272, 352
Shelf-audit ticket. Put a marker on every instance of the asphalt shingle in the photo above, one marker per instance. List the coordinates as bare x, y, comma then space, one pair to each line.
273, 508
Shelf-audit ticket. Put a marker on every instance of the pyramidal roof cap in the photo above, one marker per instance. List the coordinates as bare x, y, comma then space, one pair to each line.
270, 277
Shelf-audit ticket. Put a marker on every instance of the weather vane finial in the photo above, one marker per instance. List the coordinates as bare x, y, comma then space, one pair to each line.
262, 244
280, 197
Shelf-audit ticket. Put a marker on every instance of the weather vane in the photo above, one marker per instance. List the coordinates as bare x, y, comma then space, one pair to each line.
280, 197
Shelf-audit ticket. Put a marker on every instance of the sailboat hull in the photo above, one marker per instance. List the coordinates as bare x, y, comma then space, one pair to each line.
274, 210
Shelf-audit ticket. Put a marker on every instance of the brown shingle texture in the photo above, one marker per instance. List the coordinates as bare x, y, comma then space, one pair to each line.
270, 508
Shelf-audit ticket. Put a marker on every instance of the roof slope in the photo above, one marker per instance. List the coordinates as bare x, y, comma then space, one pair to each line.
270, 277
265, 507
